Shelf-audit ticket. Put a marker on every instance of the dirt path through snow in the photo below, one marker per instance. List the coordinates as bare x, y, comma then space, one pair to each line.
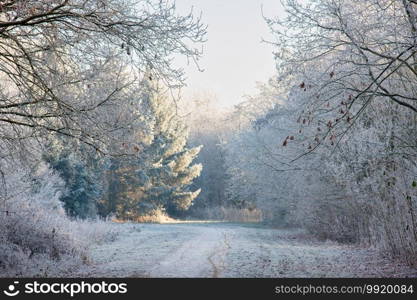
232, 250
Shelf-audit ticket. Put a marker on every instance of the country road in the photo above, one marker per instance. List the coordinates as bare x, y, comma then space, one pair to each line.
232, 250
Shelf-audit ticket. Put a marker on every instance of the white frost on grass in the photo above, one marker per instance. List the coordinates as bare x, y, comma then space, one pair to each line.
232, 250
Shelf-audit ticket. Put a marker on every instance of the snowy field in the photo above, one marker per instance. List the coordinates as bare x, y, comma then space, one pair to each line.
193, 249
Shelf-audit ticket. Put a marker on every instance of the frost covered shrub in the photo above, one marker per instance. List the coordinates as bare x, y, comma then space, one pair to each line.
95, 231
376, 163
33, 225
36, 237
230, 214
326, 210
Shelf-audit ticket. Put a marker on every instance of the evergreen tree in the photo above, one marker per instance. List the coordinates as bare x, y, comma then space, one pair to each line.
162, 174
82, 175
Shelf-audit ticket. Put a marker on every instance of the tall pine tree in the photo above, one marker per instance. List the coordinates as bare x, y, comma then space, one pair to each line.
161, 175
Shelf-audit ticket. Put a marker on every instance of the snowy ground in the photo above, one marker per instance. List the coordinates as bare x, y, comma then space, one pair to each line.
232, 250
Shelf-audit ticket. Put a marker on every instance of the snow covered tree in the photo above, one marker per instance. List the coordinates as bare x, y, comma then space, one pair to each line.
336, 155
162, 173
79, 36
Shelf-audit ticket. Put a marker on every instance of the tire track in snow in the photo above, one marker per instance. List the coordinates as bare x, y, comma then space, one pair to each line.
201, 256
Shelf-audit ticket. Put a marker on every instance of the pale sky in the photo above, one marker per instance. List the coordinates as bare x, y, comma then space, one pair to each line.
234, 58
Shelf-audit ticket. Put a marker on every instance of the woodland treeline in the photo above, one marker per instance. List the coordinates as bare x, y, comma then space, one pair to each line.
88, 128
329, 144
